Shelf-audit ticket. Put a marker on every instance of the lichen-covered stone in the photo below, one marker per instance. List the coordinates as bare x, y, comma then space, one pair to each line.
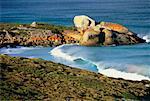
83, 22
90, 37
115, 27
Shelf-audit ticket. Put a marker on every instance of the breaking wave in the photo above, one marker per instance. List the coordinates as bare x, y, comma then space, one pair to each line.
147, 38
128, 71
59, 53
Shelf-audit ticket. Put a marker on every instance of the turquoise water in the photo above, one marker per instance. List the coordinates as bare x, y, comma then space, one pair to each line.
133, 59
122, 60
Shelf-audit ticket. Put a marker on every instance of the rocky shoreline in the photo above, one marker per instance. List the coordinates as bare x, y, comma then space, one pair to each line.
12, 35
41, 34
37, 79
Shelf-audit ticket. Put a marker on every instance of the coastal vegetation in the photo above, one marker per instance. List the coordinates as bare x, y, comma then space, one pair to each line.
54, 28
37, 79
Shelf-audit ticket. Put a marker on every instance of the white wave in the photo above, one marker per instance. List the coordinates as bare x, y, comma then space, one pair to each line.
118, 74
147, 38
101, 65
57, 52
17, 50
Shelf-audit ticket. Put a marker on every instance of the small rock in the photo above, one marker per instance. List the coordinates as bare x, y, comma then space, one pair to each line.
34, 24
147, 85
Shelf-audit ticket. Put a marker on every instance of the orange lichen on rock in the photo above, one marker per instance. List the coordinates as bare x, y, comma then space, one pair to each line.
113, 26
72, 34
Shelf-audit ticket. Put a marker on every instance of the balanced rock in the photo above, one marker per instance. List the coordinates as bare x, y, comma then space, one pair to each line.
82, 22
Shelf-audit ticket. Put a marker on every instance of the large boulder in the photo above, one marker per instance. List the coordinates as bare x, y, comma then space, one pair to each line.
117, 34
90, 37
115, 27
83, 22
126, 39
109, 37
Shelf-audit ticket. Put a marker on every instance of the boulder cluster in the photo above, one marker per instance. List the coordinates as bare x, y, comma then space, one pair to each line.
86, 32
104, 33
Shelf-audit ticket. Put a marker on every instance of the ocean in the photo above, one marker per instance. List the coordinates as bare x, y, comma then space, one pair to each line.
128, 62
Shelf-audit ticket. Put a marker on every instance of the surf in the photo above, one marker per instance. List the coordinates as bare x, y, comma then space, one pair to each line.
17, 50
110, 69
57, 52
147, 38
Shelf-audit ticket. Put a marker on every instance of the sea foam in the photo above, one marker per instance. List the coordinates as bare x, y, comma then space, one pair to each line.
57, 52
17, 50
118, 74
147, 38
101, 66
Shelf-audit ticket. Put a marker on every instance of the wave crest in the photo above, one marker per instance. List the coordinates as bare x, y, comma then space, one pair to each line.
102, 67
147, 38
59, 53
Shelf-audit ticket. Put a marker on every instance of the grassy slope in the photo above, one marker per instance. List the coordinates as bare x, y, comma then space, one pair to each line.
23, 78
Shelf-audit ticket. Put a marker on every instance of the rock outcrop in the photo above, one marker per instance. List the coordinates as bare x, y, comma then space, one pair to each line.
104, 33
86, 32
26, 35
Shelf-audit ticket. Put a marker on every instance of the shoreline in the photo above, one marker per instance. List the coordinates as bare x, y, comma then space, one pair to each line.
24, 78
55, 79
43, 34
13, 34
